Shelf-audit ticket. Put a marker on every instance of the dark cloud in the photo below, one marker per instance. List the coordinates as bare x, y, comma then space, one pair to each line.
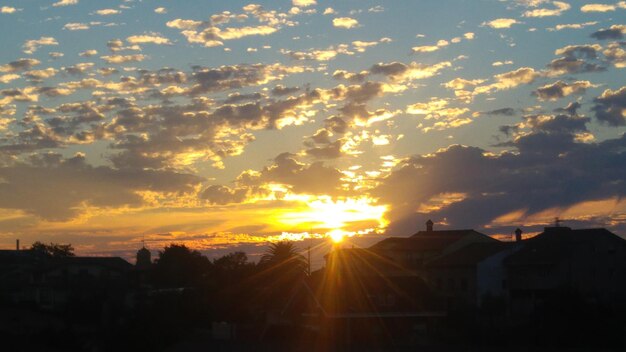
55, 188
576, 59
547, 169
557, 123
560, 89
314, 178
614, 32
328, 151
280, 90
235, 98
571, 108
610, 107
221, 195
19, 65
503, 112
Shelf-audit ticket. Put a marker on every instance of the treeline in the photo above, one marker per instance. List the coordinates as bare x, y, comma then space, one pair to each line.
187, 291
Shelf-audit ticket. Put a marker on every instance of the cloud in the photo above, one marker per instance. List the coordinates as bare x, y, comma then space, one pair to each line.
39, 75
7, 9
400, 72
430, 48
501, 112
493, 185
615, 54
610, 107
88, 53
560, 27
576, 59
345, 22
120, 59
280, 90
507, 80
19, 65
315, 178
303, 3
108, 12
160, 10
217, 194
30, 46
213, 33
560, 8
8, 77
152, 38
560, 89
76, 26
616, 31
501, 23
319, 54
65, 3
58, 189
597, 8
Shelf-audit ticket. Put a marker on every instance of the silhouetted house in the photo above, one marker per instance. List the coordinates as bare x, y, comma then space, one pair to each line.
415, 251
68, 280
363, 299
590, 262
18, 270
471, 274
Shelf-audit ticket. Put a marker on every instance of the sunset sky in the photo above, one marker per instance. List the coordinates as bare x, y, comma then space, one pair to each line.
228, 124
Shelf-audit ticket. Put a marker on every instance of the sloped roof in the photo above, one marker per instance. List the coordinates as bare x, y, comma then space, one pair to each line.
109, 262
550, 246
470, 255
424, 241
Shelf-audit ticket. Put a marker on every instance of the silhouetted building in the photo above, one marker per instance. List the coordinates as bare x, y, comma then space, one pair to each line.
591, 262
471, 274
415, 251
144, 258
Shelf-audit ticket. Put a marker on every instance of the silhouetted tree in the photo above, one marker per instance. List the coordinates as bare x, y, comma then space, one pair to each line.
53, 249
232, 267
281, 269
179, 266
283, 254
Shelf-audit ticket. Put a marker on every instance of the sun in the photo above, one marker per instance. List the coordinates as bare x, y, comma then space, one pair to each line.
335, 218
336, 235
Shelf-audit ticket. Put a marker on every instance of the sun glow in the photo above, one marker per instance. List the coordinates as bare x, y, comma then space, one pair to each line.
338, 218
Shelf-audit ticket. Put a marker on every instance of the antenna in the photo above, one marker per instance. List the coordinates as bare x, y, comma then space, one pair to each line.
557, 222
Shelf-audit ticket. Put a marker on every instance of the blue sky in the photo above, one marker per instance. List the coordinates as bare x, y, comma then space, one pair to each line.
222, 124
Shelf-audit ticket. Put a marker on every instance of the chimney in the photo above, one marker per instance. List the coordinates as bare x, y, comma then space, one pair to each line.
518, 235
17, 245
429, 225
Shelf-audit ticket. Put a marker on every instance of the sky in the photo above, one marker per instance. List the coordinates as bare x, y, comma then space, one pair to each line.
225, 125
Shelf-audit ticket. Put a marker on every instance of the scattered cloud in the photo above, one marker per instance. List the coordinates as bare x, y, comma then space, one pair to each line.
345, 22
108, 12
120, 59
65, 3
599, 7
303, 3
30, 46
560, 89
501, 23
560, 8
614, 32
8, 9
151, 38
